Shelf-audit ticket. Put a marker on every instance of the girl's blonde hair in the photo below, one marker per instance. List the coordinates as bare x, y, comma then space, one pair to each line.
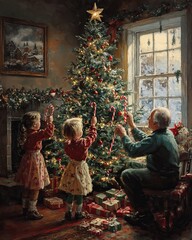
27, 122
72, 127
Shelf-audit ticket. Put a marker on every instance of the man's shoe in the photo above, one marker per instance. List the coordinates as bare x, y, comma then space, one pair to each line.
68, 216
79, 215
145, 220
34, 215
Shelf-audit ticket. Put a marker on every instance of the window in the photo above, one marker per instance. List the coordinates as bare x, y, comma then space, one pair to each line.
154, 65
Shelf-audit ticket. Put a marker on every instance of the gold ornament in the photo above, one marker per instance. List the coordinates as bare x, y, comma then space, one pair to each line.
95, 13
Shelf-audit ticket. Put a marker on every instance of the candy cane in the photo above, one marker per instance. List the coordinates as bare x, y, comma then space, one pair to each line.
94, 105
125, 107
112, 143
49, 111
113, 115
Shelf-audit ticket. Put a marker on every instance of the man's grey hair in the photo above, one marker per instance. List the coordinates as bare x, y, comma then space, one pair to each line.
162, 117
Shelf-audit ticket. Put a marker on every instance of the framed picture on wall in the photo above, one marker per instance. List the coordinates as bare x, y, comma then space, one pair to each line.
23, 48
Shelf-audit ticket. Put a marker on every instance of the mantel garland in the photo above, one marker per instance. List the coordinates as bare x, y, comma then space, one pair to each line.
15, 99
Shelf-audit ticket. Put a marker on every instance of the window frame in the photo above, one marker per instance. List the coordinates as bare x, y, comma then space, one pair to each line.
174, 19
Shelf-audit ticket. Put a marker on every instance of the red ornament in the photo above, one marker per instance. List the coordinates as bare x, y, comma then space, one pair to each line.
110, 58
119, 113
95, 92
52, 92
100, 80
89, 38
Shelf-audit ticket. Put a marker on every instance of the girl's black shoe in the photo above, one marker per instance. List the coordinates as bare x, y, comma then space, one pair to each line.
34, 215
68, 216
79, 215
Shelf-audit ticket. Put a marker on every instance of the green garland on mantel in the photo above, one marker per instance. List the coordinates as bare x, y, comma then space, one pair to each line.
146, 11
15, 99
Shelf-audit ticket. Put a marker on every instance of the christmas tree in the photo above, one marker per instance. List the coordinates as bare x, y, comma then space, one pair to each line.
97, 86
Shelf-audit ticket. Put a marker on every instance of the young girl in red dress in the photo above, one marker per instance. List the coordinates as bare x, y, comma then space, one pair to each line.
76, 180
32, 173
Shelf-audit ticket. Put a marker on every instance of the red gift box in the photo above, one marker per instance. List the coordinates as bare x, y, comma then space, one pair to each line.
53, 203
161, 220
98, 210
121, 212
54, 183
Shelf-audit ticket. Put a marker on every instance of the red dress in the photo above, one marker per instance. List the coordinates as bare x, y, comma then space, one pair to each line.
76, 178
32, 172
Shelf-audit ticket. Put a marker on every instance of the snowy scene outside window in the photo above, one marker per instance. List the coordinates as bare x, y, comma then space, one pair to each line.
154, 66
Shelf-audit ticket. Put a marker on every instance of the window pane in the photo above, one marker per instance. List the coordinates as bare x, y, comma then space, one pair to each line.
145, 88
146, 64
160, 102
146, 43
174, 87
160, 41
161, 62
175, 108
160, 87
174, 38
174, 60
147, 105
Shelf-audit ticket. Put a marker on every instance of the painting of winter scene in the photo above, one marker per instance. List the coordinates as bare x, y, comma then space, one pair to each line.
24, 48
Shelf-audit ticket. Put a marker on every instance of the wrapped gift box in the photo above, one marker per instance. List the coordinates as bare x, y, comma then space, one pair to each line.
95, 231
94, 208
118, 194
121, 212
53, 203
100, 197
54, 183
114, 226
111, 192
85, 225
111, 204
99, 223
160, 219
48, 193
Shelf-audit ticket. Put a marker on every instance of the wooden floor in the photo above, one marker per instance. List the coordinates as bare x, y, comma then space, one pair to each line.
14, 227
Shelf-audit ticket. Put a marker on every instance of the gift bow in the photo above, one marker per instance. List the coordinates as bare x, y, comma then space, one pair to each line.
176, 128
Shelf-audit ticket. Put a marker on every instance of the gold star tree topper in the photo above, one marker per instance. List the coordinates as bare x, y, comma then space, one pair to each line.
95, 13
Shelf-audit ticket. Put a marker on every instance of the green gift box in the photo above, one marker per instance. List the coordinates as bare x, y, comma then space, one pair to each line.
100, 197
116, 193
110, 193
114, 226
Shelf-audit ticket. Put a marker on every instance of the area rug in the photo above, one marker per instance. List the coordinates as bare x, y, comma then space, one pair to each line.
72, 232
64, 234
